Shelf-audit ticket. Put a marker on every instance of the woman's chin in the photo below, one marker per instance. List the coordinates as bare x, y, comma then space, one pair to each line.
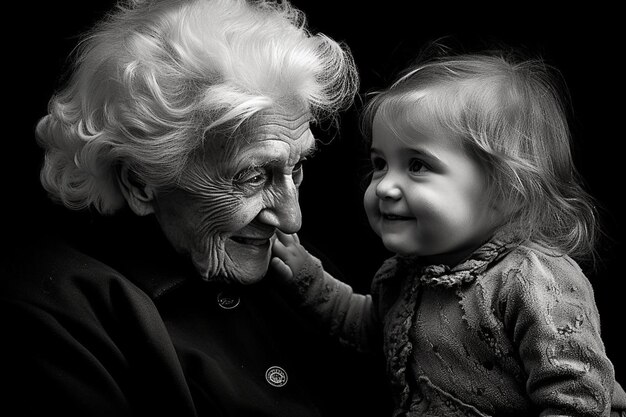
239, 263
249, 263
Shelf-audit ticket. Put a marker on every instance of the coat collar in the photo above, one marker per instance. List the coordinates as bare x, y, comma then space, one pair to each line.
136, 248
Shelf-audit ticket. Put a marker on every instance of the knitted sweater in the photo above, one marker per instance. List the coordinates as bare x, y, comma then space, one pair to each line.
511, 331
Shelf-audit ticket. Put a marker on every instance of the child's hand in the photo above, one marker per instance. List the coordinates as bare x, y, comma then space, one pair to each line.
289, 255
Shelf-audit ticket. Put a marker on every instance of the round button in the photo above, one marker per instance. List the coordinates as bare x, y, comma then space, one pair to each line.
276, 376
227, 301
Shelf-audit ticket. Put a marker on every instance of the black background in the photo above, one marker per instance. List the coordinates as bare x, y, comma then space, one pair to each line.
384, 37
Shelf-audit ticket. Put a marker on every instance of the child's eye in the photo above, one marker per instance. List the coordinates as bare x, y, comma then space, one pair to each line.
378, 163
415, 165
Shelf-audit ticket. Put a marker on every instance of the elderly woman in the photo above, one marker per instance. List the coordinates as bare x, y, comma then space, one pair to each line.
190, 121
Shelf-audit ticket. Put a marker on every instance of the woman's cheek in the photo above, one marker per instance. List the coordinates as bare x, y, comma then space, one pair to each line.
216, 220
212, 256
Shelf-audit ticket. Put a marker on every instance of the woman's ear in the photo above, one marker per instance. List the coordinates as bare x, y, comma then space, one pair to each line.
138, 195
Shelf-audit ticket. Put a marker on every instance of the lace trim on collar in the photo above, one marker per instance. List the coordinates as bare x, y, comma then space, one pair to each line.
468, 270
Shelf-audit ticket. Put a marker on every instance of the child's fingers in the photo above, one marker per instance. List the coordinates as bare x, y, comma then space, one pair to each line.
283, 237
287, 239
279, 249
287, 247
281, 269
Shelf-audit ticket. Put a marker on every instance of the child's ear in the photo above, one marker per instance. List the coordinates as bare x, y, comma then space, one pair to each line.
138, 195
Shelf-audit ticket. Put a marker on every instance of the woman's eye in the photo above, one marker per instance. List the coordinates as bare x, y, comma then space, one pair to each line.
298, 166
297, 173
251, 177
256, 179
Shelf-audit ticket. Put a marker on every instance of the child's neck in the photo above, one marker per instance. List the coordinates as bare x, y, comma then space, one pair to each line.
449, 259
454, 257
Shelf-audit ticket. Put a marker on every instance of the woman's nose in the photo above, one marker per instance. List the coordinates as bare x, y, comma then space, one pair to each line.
388, 187
283, 210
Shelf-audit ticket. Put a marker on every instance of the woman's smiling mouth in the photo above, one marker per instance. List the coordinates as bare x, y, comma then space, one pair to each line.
254, 241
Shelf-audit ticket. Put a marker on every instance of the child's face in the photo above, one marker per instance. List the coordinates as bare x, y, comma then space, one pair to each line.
427, 197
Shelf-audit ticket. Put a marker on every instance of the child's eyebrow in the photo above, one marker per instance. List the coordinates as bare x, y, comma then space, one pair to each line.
421, 152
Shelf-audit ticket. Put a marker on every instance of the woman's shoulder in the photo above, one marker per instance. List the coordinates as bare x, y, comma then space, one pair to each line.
49, 273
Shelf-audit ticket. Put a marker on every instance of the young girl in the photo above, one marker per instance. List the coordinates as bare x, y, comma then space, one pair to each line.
482, 311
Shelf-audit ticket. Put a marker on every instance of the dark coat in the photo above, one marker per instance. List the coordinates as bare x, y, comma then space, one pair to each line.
121, 326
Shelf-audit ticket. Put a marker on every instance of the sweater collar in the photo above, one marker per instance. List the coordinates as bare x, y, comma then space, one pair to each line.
467, 271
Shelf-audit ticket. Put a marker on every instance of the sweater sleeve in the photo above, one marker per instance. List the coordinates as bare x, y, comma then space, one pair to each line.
333, 304
552, 317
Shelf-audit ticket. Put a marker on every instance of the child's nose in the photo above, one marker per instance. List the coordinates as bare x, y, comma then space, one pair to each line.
388, 188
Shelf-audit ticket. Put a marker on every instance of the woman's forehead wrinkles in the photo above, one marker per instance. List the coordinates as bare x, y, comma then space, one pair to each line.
274, 149
284, 125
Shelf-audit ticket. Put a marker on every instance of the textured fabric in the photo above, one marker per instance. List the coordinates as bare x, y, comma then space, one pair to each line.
511, 331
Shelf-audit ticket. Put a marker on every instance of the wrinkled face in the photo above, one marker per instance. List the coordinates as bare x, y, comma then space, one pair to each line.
234, 197
427, 197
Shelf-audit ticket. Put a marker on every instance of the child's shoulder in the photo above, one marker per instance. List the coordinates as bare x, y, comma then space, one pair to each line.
535, 255
392, 268
534, 264
389, 268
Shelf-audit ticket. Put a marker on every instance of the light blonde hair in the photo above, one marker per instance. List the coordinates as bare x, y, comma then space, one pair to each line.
511, 114
154, 79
